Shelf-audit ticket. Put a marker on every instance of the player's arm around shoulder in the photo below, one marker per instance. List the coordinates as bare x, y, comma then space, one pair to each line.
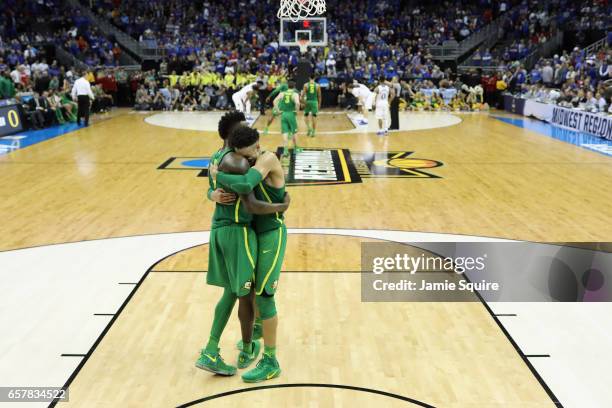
257, 207
236, 173
266, 163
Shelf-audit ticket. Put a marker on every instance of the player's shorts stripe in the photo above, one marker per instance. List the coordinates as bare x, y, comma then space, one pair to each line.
236, 210
278, 248
246, 245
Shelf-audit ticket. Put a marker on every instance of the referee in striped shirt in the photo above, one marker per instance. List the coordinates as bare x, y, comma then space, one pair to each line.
81, 92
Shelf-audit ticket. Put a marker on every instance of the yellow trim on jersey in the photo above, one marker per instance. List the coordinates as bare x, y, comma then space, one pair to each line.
248, 250
236, 210
214, 181
278, 248
269, 200
345, 170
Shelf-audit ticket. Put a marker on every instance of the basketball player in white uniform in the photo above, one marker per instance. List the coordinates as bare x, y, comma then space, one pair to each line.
383, 95
365, 99
242, 99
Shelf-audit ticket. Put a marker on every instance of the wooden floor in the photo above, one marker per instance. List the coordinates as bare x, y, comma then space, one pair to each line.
497, 180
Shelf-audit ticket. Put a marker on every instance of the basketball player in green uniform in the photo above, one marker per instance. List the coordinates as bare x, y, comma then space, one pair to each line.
228, 121
282, 87
288, 103
311, 96
267, 179
232, 261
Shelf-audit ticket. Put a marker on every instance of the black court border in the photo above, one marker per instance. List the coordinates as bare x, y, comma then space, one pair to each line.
310, 385
164, 165
76, 371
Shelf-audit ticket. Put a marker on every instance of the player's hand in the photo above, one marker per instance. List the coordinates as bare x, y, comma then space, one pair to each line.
219, 196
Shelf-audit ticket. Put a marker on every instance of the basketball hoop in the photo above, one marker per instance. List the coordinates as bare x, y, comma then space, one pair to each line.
299, 9
303, 43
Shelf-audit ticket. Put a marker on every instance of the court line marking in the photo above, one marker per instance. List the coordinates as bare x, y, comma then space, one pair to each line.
316, 231
482, 238
103, 334
295, 272
535, 372
346, 387
356, 130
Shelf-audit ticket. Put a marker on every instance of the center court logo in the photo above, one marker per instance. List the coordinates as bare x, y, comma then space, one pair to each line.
318, 166
341, 166
393, 165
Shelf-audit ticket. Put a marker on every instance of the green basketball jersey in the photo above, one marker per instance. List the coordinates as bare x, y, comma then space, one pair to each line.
270, 222
311, 91
287, 104
225, 215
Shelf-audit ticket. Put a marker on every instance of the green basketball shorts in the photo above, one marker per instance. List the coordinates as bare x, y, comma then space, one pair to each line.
232, 258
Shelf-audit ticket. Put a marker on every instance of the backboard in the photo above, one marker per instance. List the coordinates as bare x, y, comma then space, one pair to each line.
312, 30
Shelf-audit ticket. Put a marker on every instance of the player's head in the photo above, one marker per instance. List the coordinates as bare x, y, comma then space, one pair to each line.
313, 77
245, 141
291, 84
228, 122
382, 80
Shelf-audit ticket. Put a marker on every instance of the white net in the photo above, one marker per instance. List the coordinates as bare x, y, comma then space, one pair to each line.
298, 9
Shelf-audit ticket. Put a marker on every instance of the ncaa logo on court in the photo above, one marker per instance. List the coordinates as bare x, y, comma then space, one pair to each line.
342, 166
393, 165
319, 167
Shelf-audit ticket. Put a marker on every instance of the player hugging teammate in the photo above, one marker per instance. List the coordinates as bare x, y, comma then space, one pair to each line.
247, 247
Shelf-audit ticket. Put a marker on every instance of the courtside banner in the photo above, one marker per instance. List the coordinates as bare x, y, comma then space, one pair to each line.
508, 271
513, 104
10, 120
596, 124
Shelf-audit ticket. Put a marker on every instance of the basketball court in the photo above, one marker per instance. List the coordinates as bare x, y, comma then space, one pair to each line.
114, 256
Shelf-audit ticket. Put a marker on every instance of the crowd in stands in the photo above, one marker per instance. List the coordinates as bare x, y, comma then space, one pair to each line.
569, 79
199, 89
534, 22
368, 40
74, 32
60, 24
572, 80
365, 36
43, 89
186, 23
